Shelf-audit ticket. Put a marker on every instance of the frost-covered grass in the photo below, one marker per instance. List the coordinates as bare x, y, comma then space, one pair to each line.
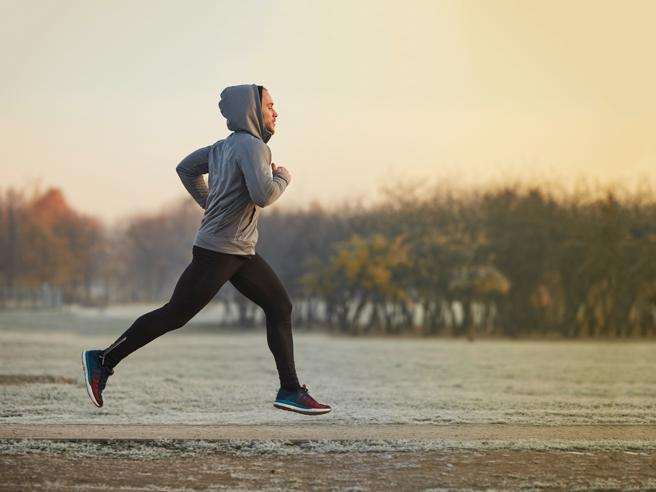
164, 448
198, 376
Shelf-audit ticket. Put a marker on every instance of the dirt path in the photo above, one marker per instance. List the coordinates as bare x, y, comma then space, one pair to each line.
409, 471
197, 457
307, 431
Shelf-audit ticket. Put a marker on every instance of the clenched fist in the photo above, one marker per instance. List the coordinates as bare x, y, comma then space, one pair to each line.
281, 170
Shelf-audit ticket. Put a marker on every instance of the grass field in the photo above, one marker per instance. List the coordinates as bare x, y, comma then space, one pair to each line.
223, 383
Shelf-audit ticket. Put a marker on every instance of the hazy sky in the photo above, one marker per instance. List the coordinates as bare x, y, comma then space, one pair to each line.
104, 98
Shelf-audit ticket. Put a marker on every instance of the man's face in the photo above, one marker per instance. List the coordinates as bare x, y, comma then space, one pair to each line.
269, 114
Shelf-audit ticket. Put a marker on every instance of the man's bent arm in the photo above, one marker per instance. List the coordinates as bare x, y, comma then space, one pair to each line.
263, 187
191, 170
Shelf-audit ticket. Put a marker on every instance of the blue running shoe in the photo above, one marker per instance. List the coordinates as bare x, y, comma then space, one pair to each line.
299, 401
95, 375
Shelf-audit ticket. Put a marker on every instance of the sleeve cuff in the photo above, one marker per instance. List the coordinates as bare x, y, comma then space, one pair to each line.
281, 176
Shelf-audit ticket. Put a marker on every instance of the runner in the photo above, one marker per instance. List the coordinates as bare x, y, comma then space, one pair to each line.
242, 180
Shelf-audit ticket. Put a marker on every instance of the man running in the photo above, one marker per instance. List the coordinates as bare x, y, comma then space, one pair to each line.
242, 179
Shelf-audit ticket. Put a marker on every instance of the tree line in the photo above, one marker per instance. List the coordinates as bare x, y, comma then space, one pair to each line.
511, 260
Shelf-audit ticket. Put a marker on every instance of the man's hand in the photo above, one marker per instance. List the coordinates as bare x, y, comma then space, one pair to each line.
281, 170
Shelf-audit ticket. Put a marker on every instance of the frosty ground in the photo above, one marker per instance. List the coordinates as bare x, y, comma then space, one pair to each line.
204, 376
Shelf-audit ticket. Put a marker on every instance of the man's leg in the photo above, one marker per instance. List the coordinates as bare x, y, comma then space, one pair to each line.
197, 286
257, 281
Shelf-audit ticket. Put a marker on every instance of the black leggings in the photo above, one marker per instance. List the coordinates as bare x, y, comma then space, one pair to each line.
198, 284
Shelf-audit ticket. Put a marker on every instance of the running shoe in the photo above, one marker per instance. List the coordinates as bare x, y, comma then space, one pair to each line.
95, 375
299, 401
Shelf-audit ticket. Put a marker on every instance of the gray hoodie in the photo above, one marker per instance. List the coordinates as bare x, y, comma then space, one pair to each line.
240, 178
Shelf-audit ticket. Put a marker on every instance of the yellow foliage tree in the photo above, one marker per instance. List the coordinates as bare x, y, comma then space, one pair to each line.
361, 270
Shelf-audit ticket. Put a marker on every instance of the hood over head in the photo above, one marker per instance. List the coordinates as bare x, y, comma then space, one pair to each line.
241, 107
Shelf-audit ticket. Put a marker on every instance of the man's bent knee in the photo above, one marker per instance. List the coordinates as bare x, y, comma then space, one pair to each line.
281, 310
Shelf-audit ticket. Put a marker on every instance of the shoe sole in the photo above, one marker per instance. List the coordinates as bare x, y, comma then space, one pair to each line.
86, 378
304, 411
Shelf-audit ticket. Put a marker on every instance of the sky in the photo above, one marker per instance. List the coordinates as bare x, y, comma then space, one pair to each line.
104, 98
